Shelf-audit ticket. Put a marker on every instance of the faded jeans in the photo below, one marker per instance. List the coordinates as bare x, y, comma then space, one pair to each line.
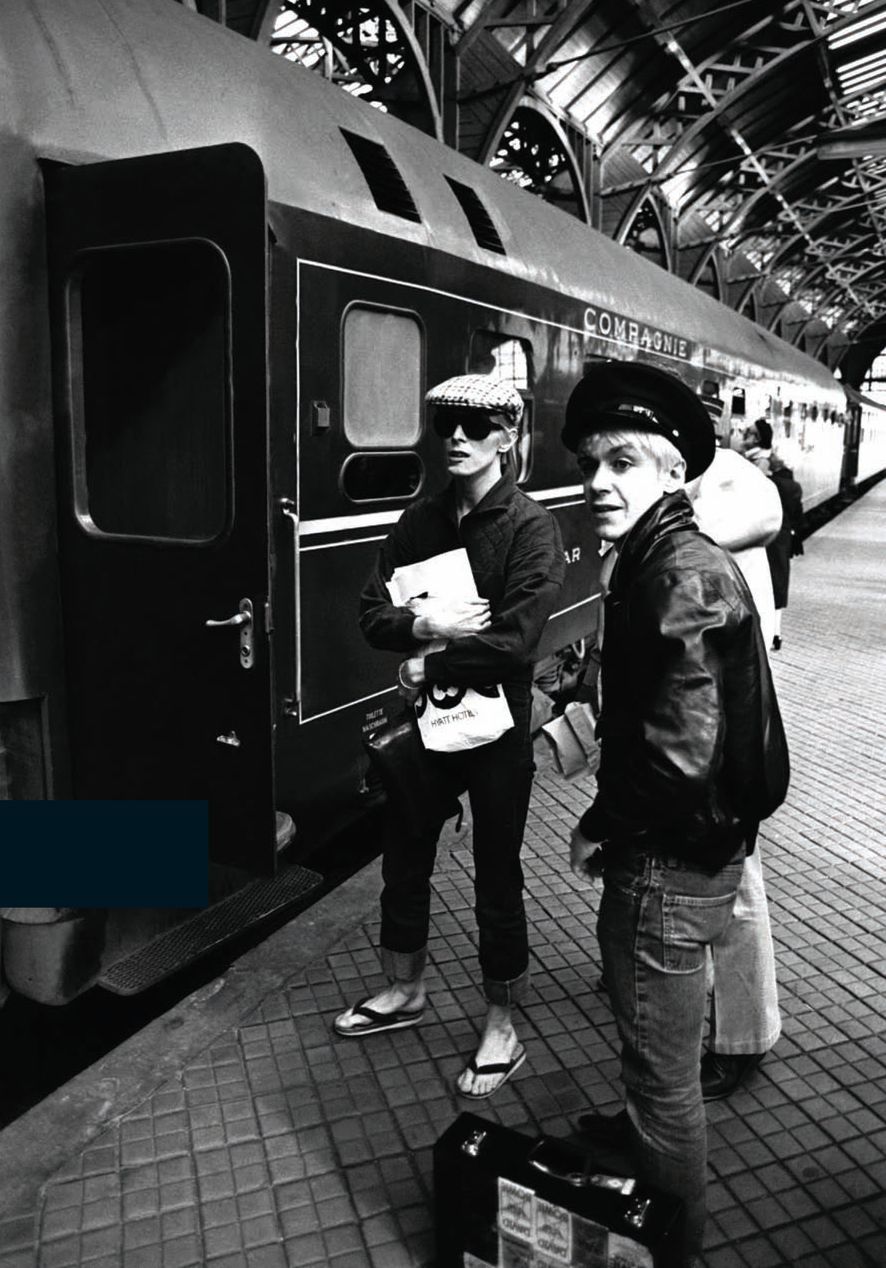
744, 1004
657, 918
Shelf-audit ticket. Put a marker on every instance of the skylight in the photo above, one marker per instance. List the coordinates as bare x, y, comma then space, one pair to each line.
857, 45
858, 30
864, 73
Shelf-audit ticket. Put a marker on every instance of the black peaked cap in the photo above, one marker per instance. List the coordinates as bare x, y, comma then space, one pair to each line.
637, 397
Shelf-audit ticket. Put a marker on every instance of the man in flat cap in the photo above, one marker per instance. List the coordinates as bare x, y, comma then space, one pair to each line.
516, 557
692, 758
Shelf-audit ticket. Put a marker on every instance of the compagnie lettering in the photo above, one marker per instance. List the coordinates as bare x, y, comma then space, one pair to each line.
604, 324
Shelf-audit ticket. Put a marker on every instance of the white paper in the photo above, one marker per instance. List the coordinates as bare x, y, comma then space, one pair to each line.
446, 576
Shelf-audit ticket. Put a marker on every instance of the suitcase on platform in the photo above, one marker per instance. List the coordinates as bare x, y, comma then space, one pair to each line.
513, 1201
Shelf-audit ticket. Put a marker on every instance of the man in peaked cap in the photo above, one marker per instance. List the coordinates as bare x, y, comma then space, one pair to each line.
615, 394
692, 757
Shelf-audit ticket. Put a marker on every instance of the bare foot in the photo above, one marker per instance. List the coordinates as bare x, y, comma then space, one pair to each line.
407, 997
499, 1046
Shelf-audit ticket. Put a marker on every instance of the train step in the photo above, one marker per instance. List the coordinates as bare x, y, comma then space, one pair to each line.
210, 928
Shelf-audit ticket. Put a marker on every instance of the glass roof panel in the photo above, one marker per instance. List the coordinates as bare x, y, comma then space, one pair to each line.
864, 73
866, 25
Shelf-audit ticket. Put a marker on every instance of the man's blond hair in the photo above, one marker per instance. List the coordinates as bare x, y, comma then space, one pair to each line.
662, 451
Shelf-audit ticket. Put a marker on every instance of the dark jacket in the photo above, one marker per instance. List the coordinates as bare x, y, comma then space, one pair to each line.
692, 748
791, 494
789, 540
516, 555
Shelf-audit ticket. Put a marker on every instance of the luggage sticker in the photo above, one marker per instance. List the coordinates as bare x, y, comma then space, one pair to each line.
624, 1252
590, 1243
514, 1254
514, 1210
552, 1233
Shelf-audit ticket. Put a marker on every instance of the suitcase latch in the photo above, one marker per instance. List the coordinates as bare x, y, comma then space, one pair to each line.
637, 1211
471, 1144
545, 1156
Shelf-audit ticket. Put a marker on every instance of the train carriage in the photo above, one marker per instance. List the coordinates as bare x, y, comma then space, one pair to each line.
228, 286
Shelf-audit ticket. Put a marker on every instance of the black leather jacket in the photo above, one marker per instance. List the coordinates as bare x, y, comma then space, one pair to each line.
692, 748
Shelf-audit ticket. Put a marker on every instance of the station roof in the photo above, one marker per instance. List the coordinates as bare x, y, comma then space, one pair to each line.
762, 126
769, 121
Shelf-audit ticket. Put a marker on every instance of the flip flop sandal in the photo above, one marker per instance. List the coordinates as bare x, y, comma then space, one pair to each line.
376, 1022
504, 1068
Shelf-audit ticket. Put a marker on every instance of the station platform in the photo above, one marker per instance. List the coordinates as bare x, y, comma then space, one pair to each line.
239, 1132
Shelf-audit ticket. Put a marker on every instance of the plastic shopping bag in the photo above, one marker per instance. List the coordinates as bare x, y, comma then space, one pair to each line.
454, 718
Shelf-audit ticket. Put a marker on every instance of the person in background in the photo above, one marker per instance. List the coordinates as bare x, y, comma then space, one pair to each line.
736, 505
755, 442
788, 542
692, 755
516, 555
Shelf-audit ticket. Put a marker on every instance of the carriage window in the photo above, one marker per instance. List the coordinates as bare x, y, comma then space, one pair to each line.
713, 402
151, 416
509, 359
382, 361
502, 357
379, 477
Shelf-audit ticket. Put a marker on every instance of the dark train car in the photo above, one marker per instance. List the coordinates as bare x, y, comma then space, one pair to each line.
226, 287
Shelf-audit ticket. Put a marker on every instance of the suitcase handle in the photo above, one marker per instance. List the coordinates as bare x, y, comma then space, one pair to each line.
580, 1179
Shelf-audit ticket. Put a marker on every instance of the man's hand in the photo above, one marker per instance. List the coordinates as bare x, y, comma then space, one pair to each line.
448, 618
585, 857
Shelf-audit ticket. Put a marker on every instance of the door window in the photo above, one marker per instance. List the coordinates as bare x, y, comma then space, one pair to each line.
381, 477
382, 378
150, 367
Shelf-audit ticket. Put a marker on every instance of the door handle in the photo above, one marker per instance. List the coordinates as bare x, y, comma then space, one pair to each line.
243, 621
291, 705
242, 618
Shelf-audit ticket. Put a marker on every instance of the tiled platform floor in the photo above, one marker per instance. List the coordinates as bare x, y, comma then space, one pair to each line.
283, 1146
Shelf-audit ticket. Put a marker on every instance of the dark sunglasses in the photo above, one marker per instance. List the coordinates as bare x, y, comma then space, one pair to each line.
475, 423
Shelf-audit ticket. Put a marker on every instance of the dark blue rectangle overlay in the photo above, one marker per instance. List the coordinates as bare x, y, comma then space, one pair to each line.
104, 853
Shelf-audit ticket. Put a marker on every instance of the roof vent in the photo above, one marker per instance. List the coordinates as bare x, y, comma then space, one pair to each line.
386, 185
478, 217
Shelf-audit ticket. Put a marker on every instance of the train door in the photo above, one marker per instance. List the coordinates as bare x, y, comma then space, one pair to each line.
851, 438
158, 288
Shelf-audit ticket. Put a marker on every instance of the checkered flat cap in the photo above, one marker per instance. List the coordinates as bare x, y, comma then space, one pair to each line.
479, 391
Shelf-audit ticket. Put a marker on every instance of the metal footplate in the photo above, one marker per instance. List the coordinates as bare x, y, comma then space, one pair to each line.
209, 929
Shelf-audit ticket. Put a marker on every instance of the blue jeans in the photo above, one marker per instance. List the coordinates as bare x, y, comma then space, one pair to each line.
657, 917
498, 781
744, 1004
